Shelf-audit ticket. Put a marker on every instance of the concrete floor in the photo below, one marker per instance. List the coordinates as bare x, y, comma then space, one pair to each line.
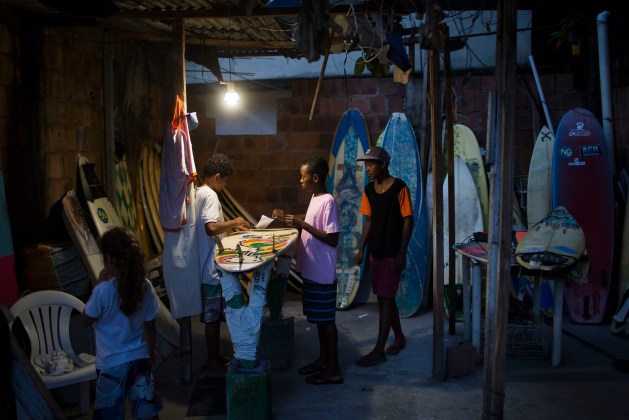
586, 385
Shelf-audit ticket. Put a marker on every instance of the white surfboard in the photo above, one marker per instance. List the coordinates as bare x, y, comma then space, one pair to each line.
539, 196
467, 213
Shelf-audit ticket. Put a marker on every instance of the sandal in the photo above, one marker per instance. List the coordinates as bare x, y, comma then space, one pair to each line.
394, 349
310, 368
318, 379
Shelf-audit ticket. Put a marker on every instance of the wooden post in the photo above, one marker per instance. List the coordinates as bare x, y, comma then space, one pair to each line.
449, 145
321, 73
179, 88
500, 223
108, 111
438, 359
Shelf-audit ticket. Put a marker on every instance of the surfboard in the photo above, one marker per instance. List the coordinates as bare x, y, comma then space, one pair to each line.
468, 214
9, 293
582, 183
554, 243
245, 251
467, 148
76, 223
623, 271
399, 140
155, 241
346, 182
143, 230
153, 204
539, 197
101, 211
124, 196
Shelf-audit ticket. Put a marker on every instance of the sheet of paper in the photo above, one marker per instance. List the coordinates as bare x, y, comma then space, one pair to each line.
264, 222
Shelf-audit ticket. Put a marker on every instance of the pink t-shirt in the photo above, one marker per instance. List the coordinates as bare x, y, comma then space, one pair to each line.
316, 260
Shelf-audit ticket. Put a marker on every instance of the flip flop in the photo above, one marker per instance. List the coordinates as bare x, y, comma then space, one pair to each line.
394, 350
309, 369
318, 379
367, 362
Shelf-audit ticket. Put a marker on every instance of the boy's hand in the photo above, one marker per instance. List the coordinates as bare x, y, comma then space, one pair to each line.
242, 224
293, 221
358, 258
278, 214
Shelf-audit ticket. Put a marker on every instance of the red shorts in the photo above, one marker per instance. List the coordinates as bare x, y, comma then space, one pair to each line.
384, 279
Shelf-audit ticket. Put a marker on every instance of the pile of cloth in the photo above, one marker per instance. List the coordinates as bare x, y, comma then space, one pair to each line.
55, 364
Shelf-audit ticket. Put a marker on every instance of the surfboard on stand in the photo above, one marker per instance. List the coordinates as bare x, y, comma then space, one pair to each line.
346, 182
539, 196
582, 183
245, 251
468, 215
9, 293
399, 140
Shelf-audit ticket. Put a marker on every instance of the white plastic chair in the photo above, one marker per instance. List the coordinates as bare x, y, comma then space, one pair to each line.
46, 316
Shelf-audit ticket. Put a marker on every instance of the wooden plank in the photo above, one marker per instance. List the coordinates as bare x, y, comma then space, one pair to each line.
438, 359
500, 217
449, 144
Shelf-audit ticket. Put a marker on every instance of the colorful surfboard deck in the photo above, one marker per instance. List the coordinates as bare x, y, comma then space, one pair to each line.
582, 183
245, 251
539, 197
124, 196
346, 181
9, 293
399, 140
554, 243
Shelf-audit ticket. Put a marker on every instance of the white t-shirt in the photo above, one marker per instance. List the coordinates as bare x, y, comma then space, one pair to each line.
209, 210
119, 338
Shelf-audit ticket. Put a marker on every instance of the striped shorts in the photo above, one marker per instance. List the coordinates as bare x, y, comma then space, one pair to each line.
319, 302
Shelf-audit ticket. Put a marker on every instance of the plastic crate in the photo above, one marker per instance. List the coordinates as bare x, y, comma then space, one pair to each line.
525, 341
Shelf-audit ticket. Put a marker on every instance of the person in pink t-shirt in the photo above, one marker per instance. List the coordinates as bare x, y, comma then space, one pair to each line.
316, 263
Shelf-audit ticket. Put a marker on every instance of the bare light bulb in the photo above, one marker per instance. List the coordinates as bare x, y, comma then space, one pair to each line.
232, 98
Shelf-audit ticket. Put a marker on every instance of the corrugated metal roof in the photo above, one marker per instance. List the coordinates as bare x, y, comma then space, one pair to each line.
230, 27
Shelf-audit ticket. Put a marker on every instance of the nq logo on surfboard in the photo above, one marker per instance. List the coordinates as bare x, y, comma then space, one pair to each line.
565, 152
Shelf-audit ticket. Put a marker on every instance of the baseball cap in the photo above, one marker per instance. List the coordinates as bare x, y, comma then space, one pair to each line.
376, 153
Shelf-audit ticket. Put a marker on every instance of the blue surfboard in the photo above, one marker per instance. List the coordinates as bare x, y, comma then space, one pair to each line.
346, 182
399, 140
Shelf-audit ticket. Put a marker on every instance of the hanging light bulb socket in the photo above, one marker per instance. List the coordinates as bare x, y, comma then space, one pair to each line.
232, 98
